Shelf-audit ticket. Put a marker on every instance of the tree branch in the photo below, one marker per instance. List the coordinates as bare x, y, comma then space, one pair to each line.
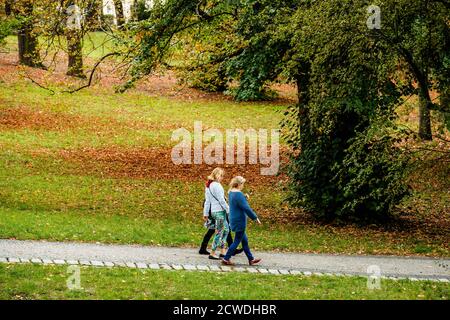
91, 76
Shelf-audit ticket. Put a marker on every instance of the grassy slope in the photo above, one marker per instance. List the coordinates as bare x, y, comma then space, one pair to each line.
49, 282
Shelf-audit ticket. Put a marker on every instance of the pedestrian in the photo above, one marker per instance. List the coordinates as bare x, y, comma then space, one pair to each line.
239, 211
217, 208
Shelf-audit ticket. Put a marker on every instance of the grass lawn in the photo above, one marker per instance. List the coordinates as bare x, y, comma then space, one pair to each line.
96, 44
26, 281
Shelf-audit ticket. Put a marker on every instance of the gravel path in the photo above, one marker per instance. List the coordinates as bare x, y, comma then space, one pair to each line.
408, 267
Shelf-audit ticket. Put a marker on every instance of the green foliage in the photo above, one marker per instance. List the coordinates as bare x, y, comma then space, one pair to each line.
255, 47
107, 21
149, 42
261, 60
445, 106
345, 163
350, 176
224, 42
141, 10
371, 177
208, 77
7, 26
204, 54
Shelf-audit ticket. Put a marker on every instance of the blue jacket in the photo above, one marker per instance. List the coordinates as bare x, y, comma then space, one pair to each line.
239, 210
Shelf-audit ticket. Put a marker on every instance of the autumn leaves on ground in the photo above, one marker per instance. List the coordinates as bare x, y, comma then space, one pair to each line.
96, 166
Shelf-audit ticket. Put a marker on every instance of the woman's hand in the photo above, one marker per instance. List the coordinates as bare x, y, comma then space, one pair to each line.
247, 196
258, 221
205, 218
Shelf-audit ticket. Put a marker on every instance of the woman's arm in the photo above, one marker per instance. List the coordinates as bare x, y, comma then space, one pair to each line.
243, 203
207, 204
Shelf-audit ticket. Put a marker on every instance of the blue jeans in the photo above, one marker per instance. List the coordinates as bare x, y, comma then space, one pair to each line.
238, 238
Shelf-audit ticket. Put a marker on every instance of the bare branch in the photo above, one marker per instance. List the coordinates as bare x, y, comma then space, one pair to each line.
91, 77
52, 92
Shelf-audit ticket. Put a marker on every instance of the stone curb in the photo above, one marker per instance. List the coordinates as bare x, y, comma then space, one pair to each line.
188, 267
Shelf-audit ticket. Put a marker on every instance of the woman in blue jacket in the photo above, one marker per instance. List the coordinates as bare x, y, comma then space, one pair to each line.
239, 210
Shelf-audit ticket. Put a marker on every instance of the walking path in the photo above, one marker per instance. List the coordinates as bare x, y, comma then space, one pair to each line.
14, 251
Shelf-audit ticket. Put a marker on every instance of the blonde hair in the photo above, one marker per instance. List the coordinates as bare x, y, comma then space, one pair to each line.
237, 181
215, 174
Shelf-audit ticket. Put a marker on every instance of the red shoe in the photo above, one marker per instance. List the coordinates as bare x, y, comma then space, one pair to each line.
254, 261
227, 262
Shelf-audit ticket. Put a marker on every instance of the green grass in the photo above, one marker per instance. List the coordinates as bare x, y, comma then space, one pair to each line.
96, 44
49, 282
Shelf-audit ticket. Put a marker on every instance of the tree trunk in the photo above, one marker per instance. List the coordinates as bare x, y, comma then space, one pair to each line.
120, 16
425, 102
27, 38
94, 13
445, 107
8, 7
134, 10
424, 114
75, 53
74, 38
445, 100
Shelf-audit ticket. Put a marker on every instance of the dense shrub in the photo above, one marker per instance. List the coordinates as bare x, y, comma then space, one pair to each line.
208, 77
347, 174
371, 177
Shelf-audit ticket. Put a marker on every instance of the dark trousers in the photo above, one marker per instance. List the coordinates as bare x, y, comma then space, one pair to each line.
240, 237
